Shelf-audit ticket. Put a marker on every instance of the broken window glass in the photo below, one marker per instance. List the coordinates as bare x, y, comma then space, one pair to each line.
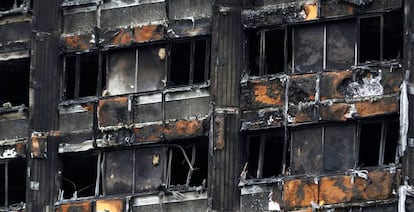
188, 163
151, 68
12, 182
338, 147
79, 174
308, 50
14, 83
340, 44
149, 168
307, 143
188, 62
121, 72
266, 155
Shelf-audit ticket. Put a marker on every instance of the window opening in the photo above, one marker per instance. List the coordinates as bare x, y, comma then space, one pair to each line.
393, 35
265, 155
378, 143
79, 174
369, 143
381, 37
14, 83
266, 51
370, 39
12, 182
6, 5
390, 149
188, 62
187, 164
82, 73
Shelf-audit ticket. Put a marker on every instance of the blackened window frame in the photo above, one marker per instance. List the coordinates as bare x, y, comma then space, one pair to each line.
386, 123
103, 67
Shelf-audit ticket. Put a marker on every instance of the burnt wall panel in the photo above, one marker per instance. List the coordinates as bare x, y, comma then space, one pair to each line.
15, 31
118, 169
113, 112
338, 152
13, 128
133, 16
79, 23
81, 121
255, 202
263, 93
149, 168
148, 112
197, 107
185, 9
307, 143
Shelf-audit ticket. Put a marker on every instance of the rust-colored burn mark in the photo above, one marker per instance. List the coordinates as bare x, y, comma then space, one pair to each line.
270, 94
311, 11
341, 189
122, 37
335, 112
333, 84
171, 130
378, 107
391, 81
304, 114
149, 33
299, 193
78, 206
113, 205
37, 147
220, 141
88, 107
113, 112
78, 42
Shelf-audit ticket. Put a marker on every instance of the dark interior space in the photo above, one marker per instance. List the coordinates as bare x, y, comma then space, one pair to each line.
89, 68
393, 36
370, 39
180, 167
14, 83
180, 63
200, 62
253, 148
369, 144
2, 184
275, 51
70, 69
391, 142
9, 4
273, 156
253, 39
17, 181
78, 174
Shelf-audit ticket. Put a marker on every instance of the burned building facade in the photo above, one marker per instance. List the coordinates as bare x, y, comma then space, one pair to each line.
194, 105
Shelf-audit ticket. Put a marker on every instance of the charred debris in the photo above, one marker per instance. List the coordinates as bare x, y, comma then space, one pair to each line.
179, 105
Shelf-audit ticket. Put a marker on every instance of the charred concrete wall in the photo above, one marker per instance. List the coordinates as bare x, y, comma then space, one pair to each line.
167, 105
